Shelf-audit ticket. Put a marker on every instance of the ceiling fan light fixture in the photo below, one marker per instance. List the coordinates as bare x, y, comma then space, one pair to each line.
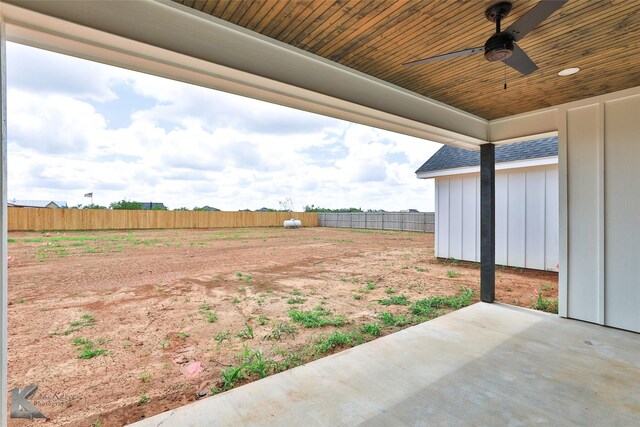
568, 71
498, 48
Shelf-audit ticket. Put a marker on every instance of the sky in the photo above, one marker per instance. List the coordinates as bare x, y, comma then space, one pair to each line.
76, 126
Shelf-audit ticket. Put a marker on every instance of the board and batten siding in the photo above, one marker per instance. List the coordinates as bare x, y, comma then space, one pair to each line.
526, 217
599, 150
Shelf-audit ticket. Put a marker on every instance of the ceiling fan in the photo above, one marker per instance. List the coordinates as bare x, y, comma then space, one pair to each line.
502, 45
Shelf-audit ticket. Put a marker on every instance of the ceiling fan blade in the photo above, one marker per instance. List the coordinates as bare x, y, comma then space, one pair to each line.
533, 18
446, 56
520, 61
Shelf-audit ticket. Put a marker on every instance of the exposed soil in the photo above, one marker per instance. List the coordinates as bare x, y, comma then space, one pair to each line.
144, 297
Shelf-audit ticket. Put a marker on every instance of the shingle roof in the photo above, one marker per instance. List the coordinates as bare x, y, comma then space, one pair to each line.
38, 203
449, 157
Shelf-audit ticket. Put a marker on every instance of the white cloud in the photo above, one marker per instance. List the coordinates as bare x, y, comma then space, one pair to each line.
191, 146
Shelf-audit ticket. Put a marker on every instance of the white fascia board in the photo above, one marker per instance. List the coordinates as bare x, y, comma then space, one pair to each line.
527, 163
170, 40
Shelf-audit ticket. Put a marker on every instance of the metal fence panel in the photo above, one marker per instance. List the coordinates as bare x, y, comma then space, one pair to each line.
409, 221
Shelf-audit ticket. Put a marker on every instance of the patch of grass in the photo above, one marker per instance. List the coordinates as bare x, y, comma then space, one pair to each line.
545, 304
371, 329
420, 268
389, 291
453, 274
246, 333
182, 335
296, 293
281, 329
337, 340
429, 307
90, 353
145, 377
357, 296
210, 315
389, 319
316, 318
235, 300
87, 320
11, 240
143, 399
296, 301
262, 320
405, 267
231, 376
221, 336
395, 300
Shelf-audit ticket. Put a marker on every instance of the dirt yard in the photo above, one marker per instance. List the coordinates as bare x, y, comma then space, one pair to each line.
116, 326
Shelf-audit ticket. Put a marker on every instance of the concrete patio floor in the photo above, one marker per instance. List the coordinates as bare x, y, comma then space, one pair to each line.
487, 364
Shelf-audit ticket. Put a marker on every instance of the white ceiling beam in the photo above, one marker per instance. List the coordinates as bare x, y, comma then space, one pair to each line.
170, 40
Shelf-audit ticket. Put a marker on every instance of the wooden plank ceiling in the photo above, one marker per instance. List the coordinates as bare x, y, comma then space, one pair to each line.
602, 37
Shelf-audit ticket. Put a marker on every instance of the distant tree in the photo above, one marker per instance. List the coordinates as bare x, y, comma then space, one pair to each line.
286, 205
206, 208
93, 206
159, 208
313, 208
181, 209
126, 205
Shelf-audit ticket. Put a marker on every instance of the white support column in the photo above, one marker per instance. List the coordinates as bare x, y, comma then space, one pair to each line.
4, 306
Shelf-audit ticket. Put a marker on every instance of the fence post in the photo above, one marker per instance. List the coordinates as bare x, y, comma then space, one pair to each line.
402, 221
351, 220
365, 221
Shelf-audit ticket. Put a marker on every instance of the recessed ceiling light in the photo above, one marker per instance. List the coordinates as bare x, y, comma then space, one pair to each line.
568, 71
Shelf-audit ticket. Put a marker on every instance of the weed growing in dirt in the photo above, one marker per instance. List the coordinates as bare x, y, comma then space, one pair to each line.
395, 300
371, 329
87, 320
336, 340
356, 296
11, 240
405, 267
420, 268
453, 274
221, 336
145, 377
210, 315
231, 376
389, 319
316, 318
182, 335
143, 400
88, 351
246, 333
165, 343
282, 329
429, 307
235, 300
544, 304
296, 301
389, 291
296, 293
262, 320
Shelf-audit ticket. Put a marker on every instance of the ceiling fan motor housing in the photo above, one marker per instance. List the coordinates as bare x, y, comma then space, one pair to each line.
498, 47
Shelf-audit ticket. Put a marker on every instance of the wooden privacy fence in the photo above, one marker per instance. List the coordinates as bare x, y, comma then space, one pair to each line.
23, 219
407, 221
